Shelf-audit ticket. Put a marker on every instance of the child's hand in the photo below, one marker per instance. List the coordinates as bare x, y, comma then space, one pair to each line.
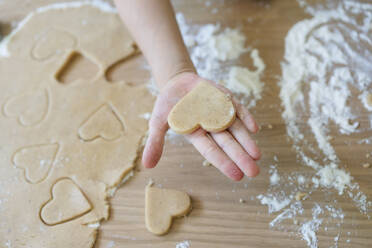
155, 30
232, 151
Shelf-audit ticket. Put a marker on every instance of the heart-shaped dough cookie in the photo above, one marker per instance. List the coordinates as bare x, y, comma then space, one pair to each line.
103, 123
67, 203
29, 108
204, 106
162, 205
54, 41
36, 161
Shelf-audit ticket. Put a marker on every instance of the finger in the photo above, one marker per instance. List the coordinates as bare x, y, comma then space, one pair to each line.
246, 117
237, 154
155, 142
210, 151
241, 135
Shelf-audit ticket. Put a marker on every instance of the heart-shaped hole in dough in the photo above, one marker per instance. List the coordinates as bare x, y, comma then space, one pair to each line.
77, 67
204, 106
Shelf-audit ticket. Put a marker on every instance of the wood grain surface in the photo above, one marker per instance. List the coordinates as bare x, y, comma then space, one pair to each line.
218, 219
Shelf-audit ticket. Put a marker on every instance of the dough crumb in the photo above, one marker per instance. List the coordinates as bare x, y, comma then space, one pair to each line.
241, 200
269, 126
300, 196
206, 163
368, 155
366, 165
151, 182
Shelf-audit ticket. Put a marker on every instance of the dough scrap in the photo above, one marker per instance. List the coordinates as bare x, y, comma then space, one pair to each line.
204, 106
162, 205
38, 112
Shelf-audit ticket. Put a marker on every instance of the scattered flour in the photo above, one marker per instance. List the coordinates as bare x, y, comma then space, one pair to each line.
111, 244
366, 99
301, 179
332, 177
323, 61
317, 58
227, 45
244, 81
175, 138
318, 54
214, 50
146, 116
274, 177
274, 202
326, 68
308, 229
183, 244
289, 213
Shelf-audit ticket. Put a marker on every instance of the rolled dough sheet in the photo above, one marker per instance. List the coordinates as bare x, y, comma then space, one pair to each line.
64, 146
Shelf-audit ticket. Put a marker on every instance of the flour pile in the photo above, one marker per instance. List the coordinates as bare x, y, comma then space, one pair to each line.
215, 51
326, 70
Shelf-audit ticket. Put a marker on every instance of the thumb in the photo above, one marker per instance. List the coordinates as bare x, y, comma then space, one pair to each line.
155, 142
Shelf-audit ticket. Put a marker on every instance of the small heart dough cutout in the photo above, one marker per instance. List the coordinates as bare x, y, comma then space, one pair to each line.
36, 161
162, 205
204, 106
103, 123
67, 203
54, 41
29, 108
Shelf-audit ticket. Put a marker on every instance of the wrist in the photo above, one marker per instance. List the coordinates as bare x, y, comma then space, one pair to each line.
183, 81
174, 70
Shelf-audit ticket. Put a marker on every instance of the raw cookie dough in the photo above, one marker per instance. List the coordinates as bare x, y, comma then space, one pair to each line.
58, 160
162, 205
204, 106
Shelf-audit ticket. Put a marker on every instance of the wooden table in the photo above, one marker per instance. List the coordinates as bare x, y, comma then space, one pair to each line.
217, 218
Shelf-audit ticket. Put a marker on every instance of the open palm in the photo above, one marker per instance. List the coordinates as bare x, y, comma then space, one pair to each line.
232, 151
